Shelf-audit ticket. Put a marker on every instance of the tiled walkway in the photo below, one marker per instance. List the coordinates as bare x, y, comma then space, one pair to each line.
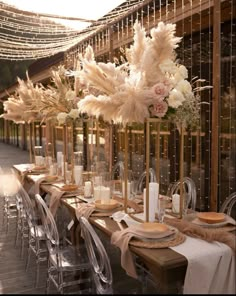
13, 277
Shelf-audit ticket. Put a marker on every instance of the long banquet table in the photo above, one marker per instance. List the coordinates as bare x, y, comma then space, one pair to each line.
167, 266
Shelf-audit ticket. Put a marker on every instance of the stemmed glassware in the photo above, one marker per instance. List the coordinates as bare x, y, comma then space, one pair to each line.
161, 209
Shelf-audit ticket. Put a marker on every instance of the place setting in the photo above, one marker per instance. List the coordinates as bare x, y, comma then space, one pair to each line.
154, 234
211, 220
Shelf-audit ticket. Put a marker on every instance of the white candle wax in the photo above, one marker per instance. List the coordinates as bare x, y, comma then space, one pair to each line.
152, 202
175, 203
155, 187
87, 189
39, 160
105, 194
97, 192
59, 155
78, 174
51, 170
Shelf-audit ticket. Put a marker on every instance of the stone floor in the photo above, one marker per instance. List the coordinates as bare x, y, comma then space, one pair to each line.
14, 279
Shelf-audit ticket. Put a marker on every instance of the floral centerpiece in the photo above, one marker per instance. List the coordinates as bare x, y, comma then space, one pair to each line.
62, 97
24, 104
151, 83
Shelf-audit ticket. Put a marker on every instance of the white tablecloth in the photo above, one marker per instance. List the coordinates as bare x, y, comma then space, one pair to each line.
211, 267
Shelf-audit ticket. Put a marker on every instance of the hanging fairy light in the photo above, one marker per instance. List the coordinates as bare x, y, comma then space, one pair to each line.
28, 35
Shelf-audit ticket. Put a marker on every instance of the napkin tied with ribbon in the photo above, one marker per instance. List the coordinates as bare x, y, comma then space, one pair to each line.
122, 238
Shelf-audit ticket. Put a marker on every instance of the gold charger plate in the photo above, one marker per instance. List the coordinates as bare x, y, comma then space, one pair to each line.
228, 224
109, 205
69, 187
211, 217
153, 227
172, 241
38, 170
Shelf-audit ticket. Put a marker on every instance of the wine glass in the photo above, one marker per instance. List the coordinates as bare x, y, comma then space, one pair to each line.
161, 209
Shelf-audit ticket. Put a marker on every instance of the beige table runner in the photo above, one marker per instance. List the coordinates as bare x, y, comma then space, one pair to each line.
211, 267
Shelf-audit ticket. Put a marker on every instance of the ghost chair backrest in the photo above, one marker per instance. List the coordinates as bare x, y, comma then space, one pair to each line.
229, 205
98, 257
141, 184
189, 191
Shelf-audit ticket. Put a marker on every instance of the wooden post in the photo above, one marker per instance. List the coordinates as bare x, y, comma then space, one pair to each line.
181, 170
147, 123
126, 169
64, 150
215, 105
158, 153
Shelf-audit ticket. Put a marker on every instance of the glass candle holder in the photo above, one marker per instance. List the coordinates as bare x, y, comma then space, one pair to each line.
78, 158
38, 155
106, 187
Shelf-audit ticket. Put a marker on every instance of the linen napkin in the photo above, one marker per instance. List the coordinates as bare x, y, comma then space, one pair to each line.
121, 239
206, 234
211, 267
55, 197
84, 210
34, 189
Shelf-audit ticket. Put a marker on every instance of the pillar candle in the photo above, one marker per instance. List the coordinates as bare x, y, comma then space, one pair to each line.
152, 202
175, 203
105, 194
155, 187
97, 192
87, 189
78, 174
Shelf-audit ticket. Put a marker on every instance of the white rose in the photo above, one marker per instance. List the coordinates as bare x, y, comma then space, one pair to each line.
175, 98
184, 87
74, 113
183, 71
180, 74
61, 117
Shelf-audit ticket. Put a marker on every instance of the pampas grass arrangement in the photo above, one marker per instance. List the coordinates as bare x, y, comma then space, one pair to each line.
150, 83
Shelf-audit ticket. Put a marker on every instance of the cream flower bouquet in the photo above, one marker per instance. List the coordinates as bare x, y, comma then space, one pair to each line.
62, 96
24, 104
151, 83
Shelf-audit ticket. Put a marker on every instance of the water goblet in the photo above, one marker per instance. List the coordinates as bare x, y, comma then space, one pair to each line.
161, 209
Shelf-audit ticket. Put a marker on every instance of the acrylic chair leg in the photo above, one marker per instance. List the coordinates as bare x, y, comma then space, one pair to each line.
7, 228
22, 247
17, 235
37, 273
28, 259
48, 279
60, 274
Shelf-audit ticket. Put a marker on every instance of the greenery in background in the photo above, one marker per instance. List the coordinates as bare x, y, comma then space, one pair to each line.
10, 70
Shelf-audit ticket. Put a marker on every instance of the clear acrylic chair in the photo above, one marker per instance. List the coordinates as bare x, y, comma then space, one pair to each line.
101, 268
108, 275
118, 170
141, 184
68, 265
22, 228
8, 190
229, 205
35, 234
189, 191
